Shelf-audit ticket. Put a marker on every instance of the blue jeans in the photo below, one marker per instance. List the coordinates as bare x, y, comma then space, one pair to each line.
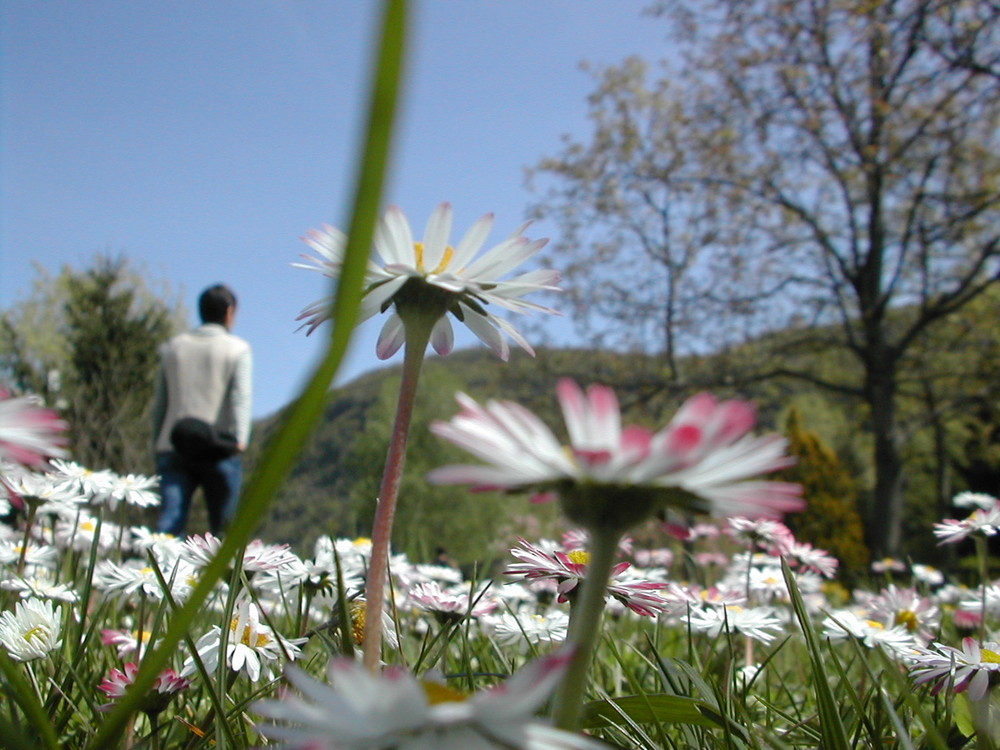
219, 481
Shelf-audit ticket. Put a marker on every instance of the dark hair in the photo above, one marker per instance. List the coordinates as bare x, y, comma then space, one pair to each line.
215, 302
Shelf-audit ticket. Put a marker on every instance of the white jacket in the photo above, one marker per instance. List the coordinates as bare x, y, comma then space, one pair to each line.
204, 373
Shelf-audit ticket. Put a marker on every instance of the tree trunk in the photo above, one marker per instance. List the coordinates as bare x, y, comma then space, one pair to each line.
886, 511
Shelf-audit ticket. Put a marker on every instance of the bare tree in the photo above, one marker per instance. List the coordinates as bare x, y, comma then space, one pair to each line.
859, 160
646, 244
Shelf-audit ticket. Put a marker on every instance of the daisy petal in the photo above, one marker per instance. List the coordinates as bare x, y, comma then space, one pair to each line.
443, 337
391, 338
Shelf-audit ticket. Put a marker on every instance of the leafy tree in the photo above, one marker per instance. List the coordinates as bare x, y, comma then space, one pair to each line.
33, 354
849, 168
949, 410
88, 342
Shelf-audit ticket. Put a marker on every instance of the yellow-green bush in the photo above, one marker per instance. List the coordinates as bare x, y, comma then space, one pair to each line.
831, 520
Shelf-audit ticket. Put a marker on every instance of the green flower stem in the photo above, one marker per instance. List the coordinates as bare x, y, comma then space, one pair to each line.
585, 627
982, 556
418, 334
32, 507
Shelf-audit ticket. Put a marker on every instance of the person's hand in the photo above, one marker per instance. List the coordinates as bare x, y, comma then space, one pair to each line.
241, 447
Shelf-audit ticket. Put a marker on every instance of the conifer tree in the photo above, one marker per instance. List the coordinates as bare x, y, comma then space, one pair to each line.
831, 520
93, 358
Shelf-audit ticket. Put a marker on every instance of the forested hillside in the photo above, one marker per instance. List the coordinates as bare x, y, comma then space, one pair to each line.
950, 415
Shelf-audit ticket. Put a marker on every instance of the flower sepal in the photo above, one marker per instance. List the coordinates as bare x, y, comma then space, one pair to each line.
596, 506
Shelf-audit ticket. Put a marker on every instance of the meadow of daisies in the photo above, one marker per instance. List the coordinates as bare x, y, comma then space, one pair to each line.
728, 633
731, 634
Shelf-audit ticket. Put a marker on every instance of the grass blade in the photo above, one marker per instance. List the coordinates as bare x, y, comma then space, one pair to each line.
832, 727
303, 415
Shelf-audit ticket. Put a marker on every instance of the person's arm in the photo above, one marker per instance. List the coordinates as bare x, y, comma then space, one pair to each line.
242, 398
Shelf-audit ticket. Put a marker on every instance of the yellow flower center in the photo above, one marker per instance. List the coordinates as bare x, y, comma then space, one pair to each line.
449, 253
734, 608
438, 693
579, 556
990, 657
146, 571
876, 625
88, 526
247, 638
359, 613
908, 619
361, 541
39, 632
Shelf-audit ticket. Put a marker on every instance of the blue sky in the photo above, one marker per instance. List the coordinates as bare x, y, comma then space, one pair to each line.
203, 139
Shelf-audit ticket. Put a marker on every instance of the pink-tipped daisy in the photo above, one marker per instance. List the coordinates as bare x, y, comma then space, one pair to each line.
611, 475
29, 434
569, 568
168, 683
970, 668
984, 521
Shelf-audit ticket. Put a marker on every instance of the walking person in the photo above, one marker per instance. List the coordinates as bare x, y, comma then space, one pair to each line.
201, 415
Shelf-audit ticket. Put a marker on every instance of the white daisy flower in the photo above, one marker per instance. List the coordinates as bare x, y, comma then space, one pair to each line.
132, 489
40, 586
355, 555
761, 533
46, 495
758, 623
81, 533
844, 624
133, 577
888, 565
32, 630
167, 684
927, 574
973, 600
37, 555
435, 276
251, 646
79, 479
906, 608
802, 555
257, 556
165, 547
523, 629
358, 710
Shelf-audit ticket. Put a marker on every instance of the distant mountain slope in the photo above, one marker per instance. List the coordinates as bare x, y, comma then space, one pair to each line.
316, 495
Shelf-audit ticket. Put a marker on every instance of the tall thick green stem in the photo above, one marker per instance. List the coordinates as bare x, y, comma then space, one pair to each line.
418, 333
26, 540
585, 628
983, 558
